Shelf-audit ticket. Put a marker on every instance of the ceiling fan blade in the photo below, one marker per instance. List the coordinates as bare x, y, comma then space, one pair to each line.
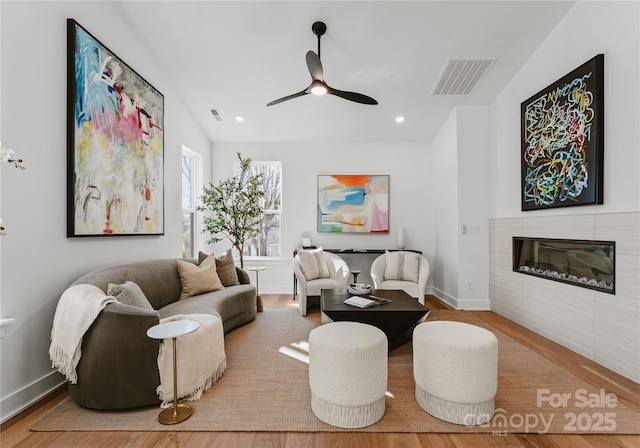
289, 97
352, 96
314, 65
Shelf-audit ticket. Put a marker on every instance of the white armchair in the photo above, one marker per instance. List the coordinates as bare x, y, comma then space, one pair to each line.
409, 271
338, 275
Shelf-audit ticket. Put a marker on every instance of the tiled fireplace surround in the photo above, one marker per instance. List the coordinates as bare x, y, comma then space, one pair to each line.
599, 326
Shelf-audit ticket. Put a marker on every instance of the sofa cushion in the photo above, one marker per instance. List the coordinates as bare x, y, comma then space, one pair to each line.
235, 305
313, 264
198, 279
402, 266
129, 293
225, 267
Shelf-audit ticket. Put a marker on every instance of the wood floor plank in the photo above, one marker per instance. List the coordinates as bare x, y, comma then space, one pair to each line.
103, 440
436, 441
268, 440
74, 440
219, 440
300, 439
39, 440
472, 441
15, 433
176, 439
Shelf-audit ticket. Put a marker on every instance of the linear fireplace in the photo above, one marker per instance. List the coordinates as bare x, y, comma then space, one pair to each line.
588, 264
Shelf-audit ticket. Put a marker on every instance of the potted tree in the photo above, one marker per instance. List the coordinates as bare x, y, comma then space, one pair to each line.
233, 208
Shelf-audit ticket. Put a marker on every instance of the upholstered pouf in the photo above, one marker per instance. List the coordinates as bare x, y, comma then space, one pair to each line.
348, 373
455, 366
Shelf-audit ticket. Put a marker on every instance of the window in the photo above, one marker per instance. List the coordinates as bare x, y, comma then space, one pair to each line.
267, 242
191, 185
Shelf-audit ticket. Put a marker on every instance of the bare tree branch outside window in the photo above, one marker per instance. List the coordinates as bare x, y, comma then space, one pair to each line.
266, 243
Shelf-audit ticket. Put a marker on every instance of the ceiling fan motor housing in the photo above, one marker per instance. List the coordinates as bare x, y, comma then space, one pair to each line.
319, 28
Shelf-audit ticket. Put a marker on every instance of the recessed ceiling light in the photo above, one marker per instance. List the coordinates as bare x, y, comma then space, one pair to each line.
399, 119
239, 118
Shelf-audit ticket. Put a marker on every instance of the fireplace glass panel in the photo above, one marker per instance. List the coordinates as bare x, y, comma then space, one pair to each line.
589, 264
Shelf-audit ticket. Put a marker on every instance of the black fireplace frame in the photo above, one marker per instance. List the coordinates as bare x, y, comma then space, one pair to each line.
517, 243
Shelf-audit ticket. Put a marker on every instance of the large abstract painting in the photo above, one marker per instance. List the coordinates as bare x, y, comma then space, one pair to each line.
358, 203
115, 144
563, 140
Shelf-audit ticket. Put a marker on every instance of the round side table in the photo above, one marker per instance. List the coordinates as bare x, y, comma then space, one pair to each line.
257, 269
171, 330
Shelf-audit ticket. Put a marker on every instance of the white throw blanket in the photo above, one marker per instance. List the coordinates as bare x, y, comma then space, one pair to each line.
201, 359
77, 309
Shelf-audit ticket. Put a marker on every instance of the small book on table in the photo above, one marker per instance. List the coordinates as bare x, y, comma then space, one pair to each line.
366, 301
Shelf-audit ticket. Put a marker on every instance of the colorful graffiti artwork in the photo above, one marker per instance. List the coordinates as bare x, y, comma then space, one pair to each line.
563, 140
115, 144
357, 203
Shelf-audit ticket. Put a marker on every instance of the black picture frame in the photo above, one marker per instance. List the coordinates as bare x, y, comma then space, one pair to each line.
562, 141
115, 143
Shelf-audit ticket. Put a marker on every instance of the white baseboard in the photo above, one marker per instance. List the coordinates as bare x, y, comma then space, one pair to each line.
20, 400
446, 298
472, 305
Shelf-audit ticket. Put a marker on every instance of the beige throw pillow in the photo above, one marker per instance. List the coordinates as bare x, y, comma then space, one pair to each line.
313, 264
198, 279
130, 294
402, 266
225, 266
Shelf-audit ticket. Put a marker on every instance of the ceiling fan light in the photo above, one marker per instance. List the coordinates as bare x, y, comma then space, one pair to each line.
318, 90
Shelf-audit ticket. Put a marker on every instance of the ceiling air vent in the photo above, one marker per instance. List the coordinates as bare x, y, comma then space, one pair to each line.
216, 115
461, 75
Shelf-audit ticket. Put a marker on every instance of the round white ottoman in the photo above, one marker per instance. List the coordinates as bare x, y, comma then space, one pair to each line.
455, 366
348, 373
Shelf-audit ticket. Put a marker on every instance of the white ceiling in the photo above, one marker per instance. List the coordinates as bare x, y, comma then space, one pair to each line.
236, 56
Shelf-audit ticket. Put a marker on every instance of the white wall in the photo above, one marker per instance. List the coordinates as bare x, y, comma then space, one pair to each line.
444, 172
411, 198
461, 185
617, 37
38, 261
603, 327
473, 207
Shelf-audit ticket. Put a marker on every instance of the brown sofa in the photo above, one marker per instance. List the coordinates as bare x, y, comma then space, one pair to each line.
119, 364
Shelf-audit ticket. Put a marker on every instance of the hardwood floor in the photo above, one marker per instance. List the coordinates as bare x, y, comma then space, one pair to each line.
16, 432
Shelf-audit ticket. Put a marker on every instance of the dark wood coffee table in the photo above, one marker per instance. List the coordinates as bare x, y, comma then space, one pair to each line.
395, 319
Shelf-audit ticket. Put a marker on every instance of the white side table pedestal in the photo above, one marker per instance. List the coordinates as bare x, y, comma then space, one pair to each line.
257, 269
171, 330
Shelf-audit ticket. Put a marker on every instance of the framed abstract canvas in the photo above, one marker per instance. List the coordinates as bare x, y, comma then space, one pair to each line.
115, 143
353, 203
562, 150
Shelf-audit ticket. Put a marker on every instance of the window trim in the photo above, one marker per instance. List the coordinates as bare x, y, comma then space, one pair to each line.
197, 172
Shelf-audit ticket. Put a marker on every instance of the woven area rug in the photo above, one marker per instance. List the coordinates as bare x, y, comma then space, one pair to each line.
266, 388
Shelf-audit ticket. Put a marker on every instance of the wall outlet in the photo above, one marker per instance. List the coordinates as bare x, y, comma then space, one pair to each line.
469, 285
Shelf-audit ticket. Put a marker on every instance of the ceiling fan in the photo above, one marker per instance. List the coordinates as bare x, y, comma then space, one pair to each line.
318, 86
